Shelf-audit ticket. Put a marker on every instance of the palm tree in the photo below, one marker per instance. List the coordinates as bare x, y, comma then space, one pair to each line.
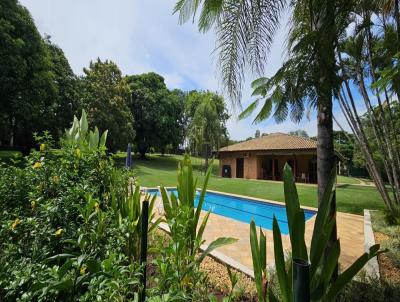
245, 30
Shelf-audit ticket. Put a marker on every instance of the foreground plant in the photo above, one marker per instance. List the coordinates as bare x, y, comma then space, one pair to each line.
322, 285
126, 202
186, 230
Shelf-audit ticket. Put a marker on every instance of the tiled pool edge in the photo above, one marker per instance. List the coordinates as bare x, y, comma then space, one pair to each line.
218, 256
372, 266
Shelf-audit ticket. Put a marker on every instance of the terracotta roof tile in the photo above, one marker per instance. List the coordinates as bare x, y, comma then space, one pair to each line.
273, 141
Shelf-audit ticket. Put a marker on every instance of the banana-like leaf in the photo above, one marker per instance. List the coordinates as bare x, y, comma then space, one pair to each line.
103, 139
96, 137
83, 123
286, 290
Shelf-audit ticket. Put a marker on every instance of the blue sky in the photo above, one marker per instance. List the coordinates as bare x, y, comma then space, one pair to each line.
142, 36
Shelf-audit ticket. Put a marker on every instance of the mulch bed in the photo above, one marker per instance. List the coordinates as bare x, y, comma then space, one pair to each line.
388, 271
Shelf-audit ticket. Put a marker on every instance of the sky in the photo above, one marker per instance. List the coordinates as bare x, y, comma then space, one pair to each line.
143, 36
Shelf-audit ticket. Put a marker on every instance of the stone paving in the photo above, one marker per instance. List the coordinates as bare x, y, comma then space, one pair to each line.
350, 232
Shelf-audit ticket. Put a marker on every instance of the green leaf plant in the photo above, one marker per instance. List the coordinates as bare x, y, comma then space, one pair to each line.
185, 224
81, 137
322, 286
126, 202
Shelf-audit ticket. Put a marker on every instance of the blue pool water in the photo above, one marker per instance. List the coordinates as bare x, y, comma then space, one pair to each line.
244, 209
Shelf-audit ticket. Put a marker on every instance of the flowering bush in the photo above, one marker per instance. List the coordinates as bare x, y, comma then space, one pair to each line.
59, 238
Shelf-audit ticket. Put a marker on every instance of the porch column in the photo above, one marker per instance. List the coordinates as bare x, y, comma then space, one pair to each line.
273, 168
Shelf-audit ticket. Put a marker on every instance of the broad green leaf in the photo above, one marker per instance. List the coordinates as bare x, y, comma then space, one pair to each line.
349, 273
280, 263
299, 249
103, 139
331, 263
216, 244
317, 255
263, 250
255, 254
323, 212
166, 203
202, 227
202, 196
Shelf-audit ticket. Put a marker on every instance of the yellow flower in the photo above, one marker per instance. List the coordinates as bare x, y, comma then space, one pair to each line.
82, 271
33, 204
37, 165
16, 222
59, 232
78, 152
97, 206
56, 179
42, 147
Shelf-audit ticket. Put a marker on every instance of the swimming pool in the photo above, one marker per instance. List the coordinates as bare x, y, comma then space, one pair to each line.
245, 209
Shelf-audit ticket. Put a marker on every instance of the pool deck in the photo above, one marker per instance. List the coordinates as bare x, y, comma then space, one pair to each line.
350, 229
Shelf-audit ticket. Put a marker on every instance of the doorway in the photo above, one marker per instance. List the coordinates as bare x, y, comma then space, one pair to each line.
239, 167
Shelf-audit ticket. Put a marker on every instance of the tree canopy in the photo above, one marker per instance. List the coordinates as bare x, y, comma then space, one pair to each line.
105, 96
157, 112
27, 85
206, 130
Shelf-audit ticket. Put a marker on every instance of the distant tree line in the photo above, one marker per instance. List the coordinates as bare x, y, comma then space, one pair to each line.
39, 91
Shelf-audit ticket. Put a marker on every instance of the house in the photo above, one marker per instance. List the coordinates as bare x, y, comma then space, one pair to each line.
265, 157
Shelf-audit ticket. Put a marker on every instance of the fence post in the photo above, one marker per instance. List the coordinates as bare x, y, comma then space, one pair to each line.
143, 247
301, 281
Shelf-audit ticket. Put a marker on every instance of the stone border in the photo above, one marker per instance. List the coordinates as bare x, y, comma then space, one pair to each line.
372, 266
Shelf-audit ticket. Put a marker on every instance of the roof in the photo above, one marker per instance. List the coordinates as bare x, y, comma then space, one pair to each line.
273, 141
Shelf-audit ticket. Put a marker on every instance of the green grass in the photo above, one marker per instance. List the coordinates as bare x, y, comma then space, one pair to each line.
348, 180
161, 171
10, 154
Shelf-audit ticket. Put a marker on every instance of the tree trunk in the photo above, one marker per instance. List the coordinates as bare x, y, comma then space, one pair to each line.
205, 158
142, 151
323, 23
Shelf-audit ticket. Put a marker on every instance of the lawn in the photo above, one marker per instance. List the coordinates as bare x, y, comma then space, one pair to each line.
161, 170
10, 154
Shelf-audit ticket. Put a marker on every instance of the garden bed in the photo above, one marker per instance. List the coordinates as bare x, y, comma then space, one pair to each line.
388, 237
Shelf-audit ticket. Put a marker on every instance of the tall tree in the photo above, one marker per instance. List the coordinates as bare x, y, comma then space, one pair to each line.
368, 58
205, 129
194, 99
105, 97
157, 112
67, 102
27, 85
245, 31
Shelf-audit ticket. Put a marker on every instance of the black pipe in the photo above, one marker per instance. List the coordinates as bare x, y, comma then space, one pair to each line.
143, 247
301, 280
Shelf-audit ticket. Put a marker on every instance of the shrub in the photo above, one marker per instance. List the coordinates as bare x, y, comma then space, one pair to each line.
60, 237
